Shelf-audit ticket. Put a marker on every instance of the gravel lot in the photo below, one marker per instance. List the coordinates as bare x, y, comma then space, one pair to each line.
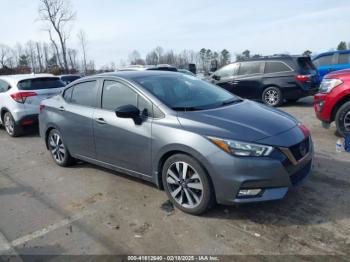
45, 209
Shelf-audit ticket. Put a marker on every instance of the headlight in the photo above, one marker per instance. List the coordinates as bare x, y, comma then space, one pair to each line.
237, 148
328, 84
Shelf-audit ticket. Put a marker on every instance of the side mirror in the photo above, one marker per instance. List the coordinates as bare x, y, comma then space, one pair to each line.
128, 111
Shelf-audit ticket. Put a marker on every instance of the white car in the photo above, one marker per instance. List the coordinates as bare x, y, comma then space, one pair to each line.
20, 97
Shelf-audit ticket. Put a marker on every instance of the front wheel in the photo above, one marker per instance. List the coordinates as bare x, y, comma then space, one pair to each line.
272, 96
342, 119
58, 149
187, 184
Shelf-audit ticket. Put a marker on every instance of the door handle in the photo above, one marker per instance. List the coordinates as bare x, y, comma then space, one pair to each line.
61, 108
101, 121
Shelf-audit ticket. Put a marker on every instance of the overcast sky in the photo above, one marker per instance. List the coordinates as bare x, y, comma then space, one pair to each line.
116, 27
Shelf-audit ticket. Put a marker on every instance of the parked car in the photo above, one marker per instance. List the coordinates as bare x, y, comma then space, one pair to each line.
271, 79
332, 61
194, 139
333, 101
67, 79
20, 97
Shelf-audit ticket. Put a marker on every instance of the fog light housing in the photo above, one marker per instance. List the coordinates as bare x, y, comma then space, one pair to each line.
249, 192
320, 106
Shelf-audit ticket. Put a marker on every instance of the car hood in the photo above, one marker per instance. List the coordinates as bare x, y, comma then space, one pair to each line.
246, 121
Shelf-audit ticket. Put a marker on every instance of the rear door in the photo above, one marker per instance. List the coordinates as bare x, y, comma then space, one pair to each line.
248, 82
76, 121
123, 142
41, 88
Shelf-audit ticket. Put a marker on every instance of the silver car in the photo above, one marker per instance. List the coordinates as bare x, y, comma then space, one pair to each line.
193, 139
20, 97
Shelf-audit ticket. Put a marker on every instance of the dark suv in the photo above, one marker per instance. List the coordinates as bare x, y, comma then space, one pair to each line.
271, 79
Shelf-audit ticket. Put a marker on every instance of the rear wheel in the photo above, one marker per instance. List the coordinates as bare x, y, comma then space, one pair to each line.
187, 184
10, 125
342, 119
272, 96
58, 149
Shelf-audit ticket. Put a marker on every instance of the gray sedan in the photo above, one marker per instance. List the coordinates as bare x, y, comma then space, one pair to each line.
198, 142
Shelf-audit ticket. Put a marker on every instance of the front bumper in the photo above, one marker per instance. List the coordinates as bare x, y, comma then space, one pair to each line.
274, 175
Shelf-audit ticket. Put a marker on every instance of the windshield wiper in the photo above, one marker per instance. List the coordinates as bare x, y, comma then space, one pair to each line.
231, 101
185, 109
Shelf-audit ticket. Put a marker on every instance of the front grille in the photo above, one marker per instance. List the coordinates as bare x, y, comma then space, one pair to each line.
298, 176
300, 150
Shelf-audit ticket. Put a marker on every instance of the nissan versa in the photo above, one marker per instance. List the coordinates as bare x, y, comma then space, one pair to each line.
197, 141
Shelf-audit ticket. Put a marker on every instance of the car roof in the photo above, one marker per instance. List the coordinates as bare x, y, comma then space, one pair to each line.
14, 79
332, 52
130, 75
271, 58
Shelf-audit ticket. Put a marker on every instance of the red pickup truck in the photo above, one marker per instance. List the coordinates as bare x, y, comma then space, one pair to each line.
332, 103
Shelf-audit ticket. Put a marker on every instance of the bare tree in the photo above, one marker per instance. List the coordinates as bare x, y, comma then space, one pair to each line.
83, 45
58, 14
72, 54
5, 55
39, 56
55, 47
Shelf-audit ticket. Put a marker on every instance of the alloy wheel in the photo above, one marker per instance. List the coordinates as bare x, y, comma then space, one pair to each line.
185, 185
347, 121
57, 148
271, 97
9, 124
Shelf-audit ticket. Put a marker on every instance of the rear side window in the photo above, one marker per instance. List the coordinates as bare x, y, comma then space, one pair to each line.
323, 60
344, 59
276, 67
40, 83
84, 94
251, 68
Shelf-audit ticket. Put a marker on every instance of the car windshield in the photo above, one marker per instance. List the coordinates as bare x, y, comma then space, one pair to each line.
186, 93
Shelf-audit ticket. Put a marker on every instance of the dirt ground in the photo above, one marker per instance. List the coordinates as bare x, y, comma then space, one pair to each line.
45, 209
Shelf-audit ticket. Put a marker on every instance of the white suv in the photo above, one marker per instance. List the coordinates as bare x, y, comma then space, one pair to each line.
20, 97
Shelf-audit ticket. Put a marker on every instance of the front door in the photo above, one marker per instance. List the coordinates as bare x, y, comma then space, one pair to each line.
124, 143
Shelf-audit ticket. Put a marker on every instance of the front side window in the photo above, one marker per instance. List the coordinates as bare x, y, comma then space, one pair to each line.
251, 68
185, 93
84, 94
227, 71
116, 94
276, 67
323, 61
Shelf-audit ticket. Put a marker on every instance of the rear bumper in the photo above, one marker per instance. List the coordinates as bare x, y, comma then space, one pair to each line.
28, 120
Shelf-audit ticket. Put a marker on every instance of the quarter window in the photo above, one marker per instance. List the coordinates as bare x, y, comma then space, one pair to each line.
276, 67
84, 94
251, 68
4, 86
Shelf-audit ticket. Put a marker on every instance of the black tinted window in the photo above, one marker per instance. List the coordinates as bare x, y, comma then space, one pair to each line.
227, 71
250, 68
40, 83
343, 59
85, 94
275, 67
116, 94
323, 60
69, 79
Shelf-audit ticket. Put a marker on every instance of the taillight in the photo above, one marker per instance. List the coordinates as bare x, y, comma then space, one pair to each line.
303, 78
20, 97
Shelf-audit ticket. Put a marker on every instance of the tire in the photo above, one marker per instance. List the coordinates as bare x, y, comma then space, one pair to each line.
10, 125
194, 194
272, 96
342, 119
58, 150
